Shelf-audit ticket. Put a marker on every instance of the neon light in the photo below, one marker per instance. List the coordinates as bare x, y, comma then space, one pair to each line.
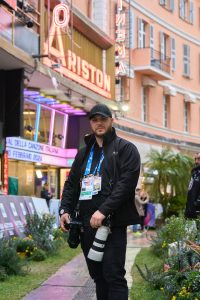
64, 133
61, 15
51, 127
120, 22
74, 67
37, 122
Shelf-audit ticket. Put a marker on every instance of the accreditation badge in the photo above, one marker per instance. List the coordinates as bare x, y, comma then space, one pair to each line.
87, 188
96, 184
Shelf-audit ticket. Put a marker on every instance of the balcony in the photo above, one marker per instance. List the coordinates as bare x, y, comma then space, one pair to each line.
148, 61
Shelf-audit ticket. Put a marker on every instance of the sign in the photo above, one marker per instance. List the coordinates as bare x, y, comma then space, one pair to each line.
22, 149
120, 50
11, 3
5, 173
73, 66
61, 15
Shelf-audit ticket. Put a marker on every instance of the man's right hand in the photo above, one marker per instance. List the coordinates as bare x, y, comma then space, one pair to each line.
65, 218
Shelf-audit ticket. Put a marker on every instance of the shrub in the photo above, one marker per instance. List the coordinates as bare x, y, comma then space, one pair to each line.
41, 229
176, 229
39, 255
24, 246
10, 263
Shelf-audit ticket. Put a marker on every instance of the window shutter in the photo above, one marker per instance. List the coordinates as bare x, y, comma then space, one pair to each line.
129, 29
173, 54
139, 33
191, 20
182, 9
162, 46
99, 16
162, 2
152, 40
171, 5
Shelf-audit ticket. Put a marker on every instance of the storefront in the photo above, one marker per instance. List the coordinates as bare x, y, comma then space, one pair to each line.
32, 164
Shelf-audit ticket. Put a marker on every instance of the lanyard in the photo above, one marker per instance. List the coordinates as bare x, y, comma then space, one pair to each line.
89, 163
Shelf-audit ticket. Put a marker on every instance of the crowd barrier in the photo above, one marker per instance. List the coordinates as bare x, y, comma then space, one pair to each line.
14, 209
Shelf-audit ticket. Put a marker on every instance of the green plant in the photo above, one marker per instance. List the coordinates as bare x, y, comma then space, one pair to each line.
176, 229
10, 263
41, 229
171, 174
24, 246
39, 255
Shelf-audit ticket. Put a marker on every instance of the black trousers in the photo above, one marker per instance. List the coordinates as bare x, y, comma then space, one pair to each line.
108, 275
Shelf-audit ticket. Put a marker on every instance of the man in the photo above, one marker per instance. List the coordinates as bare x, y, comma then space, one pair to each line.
45, 193
193, 197
108, 169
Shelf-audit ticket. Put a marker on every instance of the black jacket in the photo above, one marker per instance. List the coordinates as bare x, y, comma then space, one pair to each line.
193, 194
122, 162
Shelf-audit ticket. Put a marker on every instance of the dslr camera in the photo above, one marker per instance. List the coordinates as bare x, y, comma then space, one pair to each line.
74, 228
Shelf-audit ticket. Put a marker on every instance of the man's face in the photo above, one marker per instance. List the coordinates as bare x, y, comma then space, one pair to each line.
101, 125
197, 159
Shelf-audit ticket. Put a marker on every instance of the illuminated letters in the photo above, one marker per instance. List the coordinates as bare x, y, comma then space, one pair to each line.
61, 15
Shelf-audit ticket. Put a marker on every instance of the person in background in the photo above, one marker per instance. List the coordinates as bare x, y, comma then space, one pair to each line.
192, 209
45, 194
1, 189
141, 200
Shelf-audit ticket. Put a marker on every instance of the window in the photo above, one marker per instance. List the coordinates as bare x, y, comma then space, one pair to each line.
186, 116
186, 10
141, 33
168, 4
30, 111
186, 60
44, 125
144, 104
165, 111
173, 54
99, 14
163, 45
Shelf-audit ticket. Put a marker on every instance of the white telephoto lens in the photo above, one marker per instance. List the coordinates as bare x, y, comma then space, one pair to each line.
97, 250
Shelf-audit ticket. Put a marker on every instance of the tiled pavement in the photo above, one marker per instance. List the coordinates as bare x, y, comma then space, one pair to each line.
72, 281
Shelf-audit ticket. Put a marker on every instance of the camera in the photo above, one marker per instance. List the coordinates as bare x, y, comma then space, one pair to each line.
74, 228
197, 205
97, 250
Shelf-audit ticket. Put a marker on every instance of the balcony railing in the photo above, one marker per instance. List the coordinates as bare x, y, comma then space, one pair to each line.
160, 61
152, 63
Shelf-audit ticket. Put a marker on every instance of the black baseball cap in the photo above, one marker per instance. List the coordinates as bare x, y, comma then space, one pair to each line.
100, 109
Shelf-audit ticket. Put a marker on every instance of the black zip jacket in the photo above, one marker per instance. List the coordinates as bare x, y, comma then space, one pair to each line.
122, 163
193, 194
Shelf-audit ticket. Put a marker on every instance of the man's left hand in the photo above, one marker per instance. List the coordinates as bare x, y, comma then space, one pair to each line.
96, 219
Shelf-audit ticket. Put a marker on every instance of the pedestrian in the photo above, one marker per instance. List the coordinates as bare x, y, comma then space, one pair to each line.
1, 189
108, 168
141, 200
45, 194
192, 209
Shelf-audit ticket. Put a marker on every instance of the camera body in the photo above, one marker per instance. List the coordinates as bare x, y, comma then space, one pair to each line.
74, 228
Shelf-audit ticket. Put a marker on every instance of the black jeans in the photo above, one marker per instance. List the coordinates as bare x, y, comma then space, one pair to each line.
108, 275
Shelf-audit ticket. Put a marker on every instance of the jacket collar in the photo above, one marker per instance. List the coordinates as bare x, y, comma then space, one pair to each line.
107, 138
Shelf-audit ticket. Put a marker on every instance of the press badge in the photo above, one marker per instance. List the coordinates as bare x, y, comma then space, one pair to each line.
87, 188
96, 185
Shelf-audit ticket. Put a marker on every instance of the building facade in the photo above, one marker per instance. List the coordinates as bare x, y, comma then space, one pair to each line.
163, 97
55, 64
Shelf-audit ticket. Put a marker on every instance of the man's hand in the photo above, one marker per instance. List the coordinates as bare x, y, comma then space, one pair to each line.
63, 220
96, 219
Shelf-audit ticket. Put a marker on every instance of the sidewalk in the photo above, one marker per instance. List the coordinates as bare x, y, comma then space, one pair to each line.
72, 281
